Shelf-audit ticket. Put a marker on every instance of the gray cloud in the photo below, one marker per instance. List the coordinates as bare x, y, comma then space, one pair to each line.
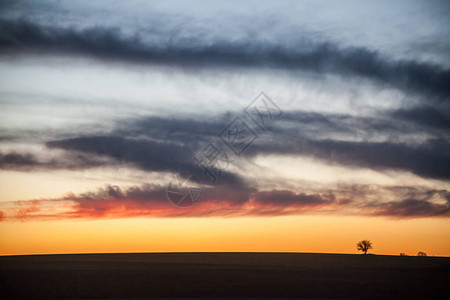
426, 115
415, 208
412, 139
417, 204
429, 159
286, 198
110, 44
158, 144
146, 154
27, 162
150, 155
16, 160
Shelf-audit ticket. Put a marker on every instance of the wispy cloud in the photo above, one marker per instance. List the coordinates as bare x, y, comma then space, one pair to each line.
403, 130
173, 144
151, 201
110, 44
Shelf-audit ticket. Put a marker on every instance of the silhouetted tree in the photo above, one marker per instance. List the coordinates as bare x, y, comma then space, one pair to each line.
403, 254
364, 246
420, 253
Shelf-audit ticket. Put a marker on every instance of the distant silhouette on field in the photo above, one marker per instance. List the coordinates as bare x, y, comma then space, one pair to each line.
420, 253
364, 246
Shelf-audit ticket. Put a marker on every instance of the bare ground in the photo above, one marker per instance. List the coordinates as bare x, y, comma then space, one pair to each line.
224, 275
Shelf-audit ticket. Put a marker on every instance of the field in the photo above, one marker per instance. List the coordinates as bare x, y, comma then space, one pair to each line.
224, 275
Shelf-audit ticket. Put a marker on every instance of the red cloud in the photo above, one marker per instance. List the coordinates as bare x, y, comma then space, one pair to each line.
112, 202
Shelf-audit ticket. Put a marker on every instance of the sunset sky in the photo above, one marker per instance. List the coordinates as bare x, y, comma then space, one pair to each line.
303, 126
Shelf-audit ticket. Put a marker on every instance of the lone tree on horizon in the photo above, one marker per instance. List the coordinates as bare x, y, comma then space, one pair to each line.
364, 246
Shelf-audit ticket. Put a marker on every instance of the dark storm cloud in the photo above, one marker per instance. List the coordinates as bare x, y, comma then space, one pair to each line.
429, 159
17, 161
27, 162
145, 154
427, 115
293, 124
326, 137
158, 144
314, 125
109, 44
191, 131
169, 144
150, 155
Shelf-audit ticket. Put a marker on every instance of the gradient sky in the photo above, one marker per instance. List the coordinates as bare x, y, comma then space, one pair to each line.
103, 104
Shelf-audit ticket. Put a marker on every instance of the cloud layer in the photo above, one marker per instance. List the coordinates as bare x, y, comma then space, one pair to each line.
159, 144
394, 115
152, 201
110, 44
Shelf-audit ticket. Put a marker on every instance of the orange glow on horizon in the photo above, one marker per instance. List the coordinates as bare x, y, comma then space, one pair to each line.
322, 234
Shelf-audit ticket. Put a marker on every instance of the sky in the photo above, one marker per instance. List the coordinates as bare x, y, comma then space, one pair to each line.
287, 126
